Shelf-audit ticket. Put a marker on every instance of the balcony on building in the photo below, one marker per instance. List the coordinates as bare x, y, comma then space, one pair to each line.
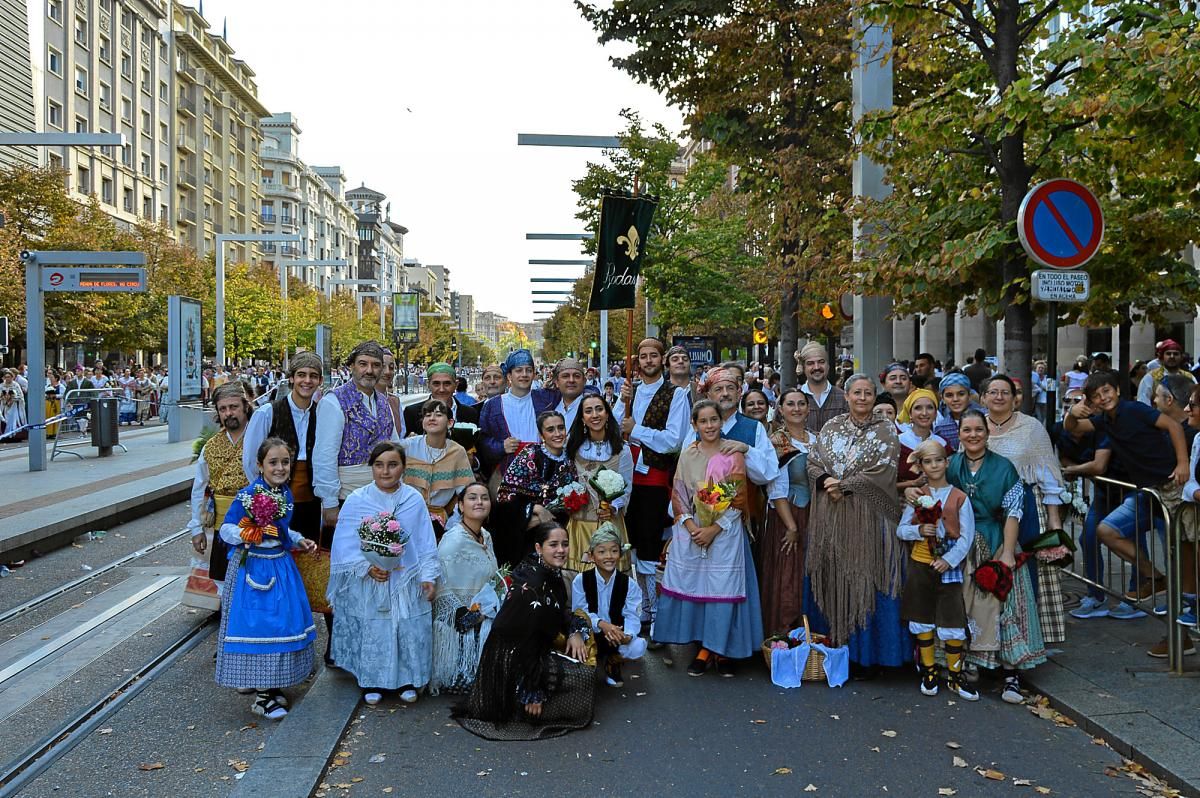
267, 218
187, 215
281, 190
187, 178
187, 105
186, 142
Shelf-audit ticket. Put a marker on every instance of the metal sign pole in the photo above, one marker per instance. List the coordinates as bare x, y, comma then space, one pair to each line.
35, 344
1052, 367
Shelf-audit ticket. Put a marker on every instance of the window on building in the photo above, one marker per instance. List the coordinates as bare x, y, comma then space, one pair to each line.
163, 134
146, 169
146, 36
146, 84
54, 61
163, 90
54, 114
105, 96
81, 80
106, 191
162, 173
127, 199
147, 207
81, 125
146, 128
127, 65
106, 5
83, 180
127, 109
127, 19
81, 32
127, 155
55, 160
162, 213
54, 10
105, 50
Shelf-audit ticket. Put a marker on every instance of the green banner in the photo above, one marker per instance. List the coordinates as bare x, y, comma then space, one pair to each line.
624, 227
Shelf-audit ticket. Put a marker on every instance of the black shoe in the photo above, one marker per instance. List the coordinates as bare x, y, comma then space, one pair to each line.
699, 664
612, 675
955, 684
726, 668
929, 680
863, 673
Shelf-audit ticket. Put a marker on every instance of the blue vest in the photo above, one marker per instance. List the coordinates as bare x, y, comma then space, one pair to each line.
744, 430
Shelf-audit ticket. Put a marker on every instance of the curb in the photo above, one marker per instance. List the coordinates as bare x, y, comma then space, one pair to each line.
1127, 728
297, 753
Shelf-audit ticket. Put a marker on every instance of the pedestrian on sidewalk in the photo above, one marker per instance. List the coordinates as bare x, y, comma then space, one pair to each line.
384, 630
267, 631
219, 476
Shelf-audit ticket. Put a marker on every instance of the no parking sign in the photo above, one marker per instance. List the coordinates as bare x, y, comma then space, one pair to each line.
1060, 224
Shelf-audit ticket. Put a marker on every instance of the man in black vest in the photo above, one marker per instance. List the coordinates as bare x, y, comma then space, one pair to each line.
293, 418
655, 423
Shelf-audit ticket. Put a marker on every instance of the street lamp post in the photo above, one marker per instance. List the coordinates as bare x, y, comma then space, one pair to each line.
222, 240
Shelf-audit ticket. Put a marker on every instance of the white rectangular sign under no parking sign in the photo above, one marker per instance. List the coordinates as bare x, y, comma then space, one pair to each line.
1061, 286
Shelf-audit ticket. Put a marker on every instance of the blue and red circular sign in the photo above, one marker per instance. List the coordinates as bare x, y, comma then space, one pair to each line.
1060, 224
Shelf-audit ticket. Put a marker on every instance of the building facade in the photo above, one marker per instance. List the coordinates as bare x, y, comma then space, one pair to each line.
325, 222
102, 66
16, 81
217, 140
380, 243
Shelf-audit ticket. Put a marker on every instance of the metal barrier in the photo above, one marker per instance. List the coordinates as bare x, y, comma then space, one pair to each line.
73, 431
1139, 565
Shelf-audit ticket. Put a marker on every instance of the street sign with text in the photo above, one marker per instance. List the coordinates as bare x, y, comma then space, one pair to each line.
65, 278
1061, 286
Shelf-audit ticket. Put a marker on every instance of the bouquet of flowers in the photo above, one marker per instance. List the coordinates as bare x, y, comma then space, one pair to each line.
382, 540
609, 486
571, 498
929, 511
1072, 498
467, 619
264, 506
712, 500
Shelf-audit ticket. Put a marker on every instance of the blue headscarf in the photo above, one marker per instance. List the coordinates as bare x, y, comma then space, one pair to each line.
952, 379
520, 357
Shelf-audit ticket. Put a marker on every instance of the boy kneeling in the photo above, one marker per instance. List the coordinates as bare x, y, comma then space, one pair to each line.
613, 602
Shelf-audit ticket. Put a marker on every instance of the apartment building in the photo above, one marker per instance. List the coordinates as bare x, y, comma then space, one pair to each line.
16, 81
103, 66
306, 201
380, 242
462, 311
217, 140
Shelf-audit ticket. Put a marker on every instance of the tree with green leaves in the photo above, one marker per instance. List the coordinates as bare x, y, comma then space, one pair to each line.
1022, 92
766, 83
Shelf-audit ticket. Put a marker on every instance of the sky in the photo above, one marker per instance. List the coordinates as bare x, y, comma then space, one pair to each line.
423, 100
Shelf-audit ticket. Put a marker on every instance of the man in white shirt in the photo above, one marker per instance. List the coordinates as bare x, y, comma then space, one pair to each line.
351, 420
509, 420
568, 378
825, 400
655, 423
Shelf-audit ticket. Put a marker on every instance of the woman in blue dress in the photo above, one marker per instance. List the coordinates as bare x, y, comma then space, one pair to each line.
267, 630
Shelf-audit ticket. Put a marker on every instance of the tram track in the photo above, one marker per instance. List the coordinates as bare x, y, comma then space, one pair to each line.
19, 772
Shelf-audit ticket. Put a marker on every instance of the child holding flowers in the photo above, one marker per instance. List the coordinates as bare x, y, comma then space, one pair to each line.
267, 630
940, 526
709, 587
382, 570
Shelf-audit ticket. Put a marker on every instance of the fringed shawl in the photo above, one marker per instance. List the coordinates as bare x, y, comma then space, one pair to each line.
853, 552
1025, 443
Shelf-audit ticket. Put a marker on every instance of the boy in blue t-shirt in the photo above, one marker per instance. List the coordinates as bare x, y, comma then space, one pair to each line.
1153, 451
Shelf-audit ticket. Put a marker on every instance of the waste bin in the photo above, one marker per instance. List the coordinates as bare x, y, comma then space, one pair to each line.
105, 418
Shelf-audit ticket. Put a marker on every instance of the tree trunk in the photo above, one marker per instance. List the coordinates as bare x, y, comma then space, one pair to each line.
1124, 329
788, 335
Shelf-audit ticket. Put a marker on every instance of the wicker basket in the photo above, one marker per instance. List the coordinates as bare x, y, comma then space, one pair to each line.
814, 668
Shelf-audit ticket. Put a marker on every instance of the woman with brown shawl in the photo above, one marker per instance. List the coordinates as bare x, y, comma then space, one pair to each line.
854, 560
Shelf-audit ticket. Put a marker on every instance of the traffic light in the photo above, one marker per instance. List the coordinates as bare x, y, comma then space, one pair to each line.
760, 330
594, 344
454, 345
827, 311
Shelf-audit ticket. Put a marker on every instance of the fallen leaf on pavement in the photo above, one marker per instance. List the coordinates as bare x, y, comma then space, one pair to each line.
340, 762
387, 789
106, 731
1042, 790
344, 753
875, 748
959, 762
356, 779
811, 788
1112, 772
953, 745
248, 726
758, 721
1021, 782
947, 791
377, 758
240, 765
782, 771
151, 766
889, 733
994, 775
836, 717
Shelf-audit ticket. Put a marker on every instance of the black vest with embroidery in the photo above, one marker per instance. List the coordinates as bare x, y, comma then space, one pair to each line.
283, 426
657, 414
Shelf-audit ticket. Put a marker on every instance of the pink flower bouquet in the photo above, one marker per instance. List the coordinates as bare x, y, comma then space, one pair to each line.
382, 540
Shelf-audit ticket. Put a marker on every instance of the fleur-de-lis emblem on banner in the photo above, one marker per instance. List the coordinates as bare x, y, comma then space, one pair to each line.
631, 242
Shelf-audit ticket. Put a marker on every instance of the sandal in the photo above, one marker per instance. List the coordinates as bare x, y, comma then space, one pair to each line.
266, 705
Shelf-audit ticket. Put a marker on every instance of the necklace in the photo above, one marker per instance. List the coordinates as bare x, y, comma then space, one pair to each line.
971, 459
999, 424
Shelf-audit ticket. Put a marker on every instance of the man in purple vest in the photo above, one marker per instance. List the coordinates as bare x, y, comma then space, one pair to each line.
351, 420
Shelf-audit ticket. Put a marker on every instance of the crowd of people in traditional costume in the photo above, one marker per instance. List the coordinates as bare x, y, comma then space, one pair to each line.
518, 552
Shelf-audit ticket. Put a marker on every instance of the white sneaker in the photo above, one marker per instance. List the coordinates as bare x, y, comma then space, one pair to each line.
409, 696
1090, 607
266, 705
1012, 692
372, 698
